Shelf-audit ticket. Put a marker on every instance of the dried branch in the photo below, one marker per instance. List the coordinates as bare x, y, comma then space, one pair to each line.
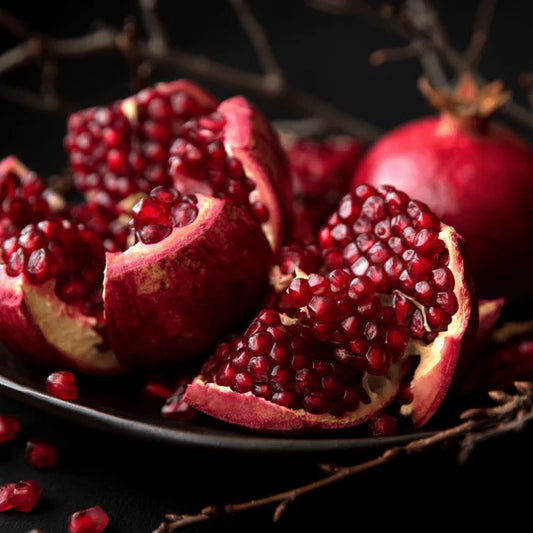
259, 40
480, 33
156, 50
419, 24
511, 413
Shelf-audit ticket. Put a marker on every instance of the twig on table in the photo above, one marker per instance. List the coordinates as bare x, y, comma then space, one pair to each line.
511, 413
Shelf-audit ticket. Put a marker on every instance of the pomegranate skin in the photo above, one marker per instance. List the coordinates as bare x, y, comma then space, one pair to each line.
477, 177
172, 300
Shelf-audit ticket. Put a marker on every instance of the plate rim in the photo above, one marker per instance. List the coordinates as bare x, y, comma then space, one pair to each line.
82, 414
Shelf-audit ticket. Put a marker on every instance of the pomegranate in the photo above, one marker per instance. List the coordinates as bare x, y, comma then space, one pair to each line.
476, 176
321, 171
392, 287
152, 278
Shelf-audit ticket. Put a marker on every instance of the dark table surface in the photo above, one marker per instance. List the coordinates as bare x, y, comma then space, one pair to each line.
138, 481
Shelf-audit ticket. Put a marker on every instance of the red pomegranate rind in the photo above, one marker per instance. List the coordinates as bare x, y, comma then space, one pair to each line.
257, 413
189, 289
40, 328
277, 378
249, 137
439, 359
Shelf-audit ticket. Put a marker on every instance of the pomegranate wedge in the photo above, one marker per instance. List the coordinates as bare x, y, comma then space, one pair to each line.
392, 294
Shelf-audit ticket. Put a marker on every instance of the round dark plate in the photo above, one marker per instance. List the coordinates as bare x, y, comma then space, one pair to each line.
117, 405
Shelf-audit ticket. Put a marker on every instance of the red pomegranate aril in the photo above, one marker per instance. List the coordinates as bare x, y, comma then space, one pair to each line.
383, 425
176, 408
9, 428
322, 309
184, 214
91, 520
26, 494
6, 496
152, 233
62, 385
148, 211
299, 292
40, 454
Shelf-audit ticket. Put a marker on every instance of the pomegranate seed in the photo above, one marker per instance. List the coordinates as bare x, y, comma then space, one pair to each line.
383, 426
9, 428
6, 496
62, 385
91, 520
26, 494
40, 454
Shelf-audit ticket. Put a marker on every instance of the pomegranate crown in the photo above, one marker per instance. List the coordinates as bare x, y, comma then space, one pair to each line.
468, 98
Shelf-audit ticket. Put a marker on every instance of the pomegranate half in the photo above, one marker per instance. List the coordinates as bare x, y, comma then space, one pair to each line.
391, 302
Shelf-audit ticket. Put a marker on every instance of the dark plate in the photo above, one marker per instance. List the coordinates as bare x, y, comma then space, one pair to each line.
117, 405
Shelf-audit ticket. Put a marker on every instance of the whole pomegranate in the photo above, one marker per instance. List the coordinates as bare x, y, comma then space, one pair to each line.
475, 174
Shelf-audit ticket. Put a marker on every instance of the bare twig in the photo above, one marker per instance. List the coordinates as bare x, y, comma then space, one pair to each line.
259, 40
14, 26
480, 33
158, 39
419, 24
477, 425
157, 50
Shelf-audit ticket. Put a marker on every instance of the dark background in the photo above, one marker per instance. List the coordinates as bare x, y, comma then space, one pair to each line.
138, 482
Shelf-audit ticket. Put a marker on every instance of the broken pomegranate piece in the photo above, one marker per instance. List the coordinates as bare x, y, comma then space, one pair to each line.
102, 287
392, 289
200, 266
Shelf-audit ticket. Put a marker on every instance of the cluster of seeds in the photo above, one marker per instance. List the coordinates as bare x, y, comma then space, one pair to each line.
123, 148
106, 218
394, 241
284, 364
343, 310
57, 249
153, 218
199, 155
22, 201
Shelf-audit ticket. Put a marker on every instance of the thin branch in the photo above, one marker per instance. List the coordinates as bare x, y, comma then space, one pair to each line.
156, 50
14, 26
480, 34
259, 40
419, 24
38, 101
387, 55
477, 425
158, 39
